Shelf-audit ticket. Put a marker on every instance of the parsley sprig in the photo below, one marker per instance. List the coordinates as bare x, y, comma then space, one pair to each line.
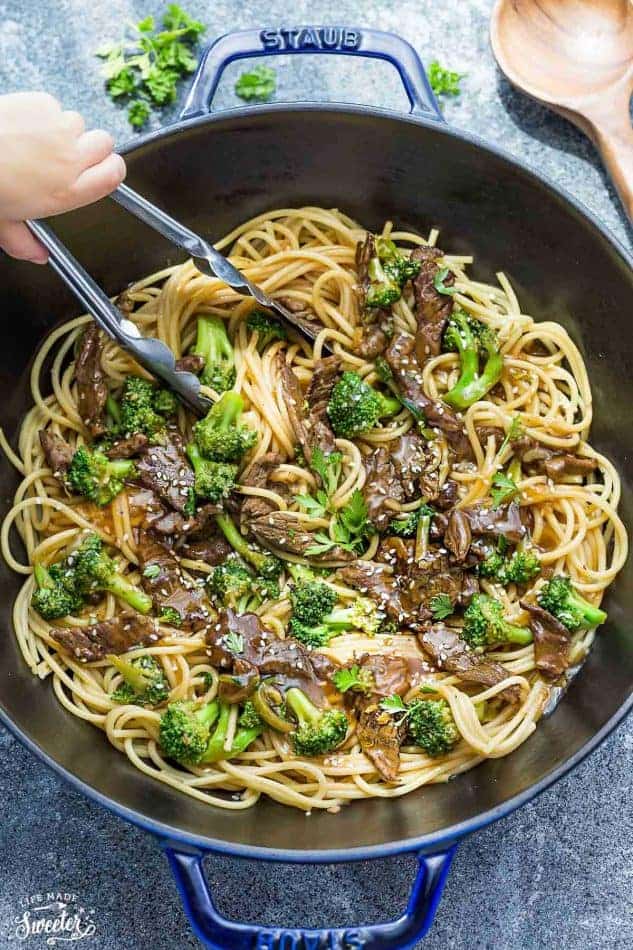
144, 68
353, 678
504, 488
443, 81
258, 85
441, 606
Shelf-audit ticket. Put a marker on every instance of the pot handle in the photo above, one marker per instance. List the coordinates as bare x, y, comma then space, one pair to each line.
217, 932
347, 41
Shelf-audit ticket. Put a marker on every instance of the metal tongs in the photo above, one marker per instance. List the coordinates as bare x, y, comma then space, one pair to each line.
152, 354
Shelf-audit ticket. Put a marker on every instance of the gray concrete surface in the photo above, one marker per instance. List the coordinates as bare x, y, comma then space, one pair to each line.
557, 873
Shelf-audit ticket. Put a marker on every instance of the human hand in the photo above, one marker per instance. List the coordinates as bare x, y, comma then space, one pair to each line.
48, 164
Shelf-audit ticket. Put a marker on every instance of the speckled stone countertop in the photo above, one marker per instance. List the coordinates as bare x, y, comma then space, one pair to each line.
556, 873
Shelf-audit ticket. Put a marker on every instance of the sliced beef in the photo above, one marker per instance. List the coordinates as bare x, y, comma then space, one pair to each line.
240, 684
296, 406
92, 390
165, 469
565, 463
409, 459
169, 588
212, 550
380, 735
118, 635
258, 476
450, 653
427, 578
538, 459
192, 363
382, 485
447, 496
373, 342
504, 521
458, 535
128, 448
432, 309
365, 250
551, 641
281, 529
377, 581
57, 451
326, 372
390, 673
408, 378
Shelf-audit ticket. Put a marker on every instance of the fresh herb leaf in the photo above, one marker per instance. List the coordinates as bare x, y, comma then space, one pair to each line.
257, 86
440, 286
515, 431
441, 606
328, 468
443, 81
393, 704
151, 571
147, 64
354, 678
503, 489
316, 504
234, 642
353, 516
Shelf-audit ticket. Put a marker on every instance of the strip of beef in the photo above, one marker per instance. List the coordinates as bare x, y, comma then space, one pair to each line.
128, 448
192, 363
382, 485
57, 451
551, 641
164, 469
365, 250
504, 521
408, 378
432, 309
309, 421
373, 342
118, 635
409, 459
390, 673
538, 459
326, 372
377, 581
452, 654
92, 390
296, 406
258, 476
288, 661
380, 735
281, 529
421, 579
170, 590
458, 535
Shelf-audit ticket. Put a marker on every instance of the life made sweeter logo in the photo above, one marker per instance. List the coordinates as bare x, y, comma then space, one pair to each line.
54, 917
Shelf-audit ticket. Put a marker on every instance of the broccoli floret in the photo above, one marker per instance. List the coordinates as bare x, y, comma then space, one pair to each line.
407, 527
432, 726
521, 568
214, 481
484, 624
312, 601
96, 476
470, 337
249, 717
219, 436
137, 411
170, 616
355, 407
573, 611
267, 566
267, 328
361, 615
232, 585
388, 272
55, 595
244, 735
144, 681
319, 731
214, 346
184, 730
96, 571
165, 402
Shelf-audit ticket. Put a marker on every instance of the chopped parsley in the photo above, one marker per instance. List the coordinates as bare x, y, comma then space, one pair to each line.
443, 81
350, 530
258, 85
503, 489
234, 642
441, 606
354, 678
151, 571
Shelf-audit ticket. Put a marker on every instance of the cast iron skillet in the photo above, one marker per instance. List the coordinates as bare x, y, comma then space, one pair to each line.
214, 171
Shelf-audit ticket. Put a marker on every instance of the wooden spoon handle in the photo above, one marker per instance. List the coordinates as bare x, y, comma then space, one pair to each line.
614, 140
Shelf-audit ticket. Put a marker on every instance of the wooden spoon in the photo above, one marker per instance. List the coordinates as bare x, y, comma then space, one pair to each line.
575, 56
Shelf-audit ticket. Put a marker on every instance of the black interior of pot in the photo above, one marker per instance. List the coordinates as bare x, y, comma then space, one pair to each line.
216, 174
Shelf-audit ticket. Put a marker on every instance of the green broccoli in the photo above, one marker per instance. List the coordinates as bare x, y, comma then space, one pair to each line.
267, 566
267, 328
137, 412
97, 477
388, 272
470, 337
521, 568
249, 717
319, 731
232, 585
184, 730
55, 595
355, 407
219, 436
213, 345
245, 734
407, 526
484, 625
170, 616
165, 402
573, 611
431, 725
311, 601
95, 571
144, 681
214, 481
362, 615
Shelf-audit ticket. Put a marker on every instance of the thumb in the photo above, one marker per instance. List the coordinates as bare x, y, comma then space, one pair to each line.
17, 241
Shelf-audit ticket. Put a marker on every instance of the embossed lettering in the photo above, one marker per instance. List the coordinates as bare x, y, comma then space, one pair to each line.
350, 39
289, 38
330, 37
308, 39
269, 39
